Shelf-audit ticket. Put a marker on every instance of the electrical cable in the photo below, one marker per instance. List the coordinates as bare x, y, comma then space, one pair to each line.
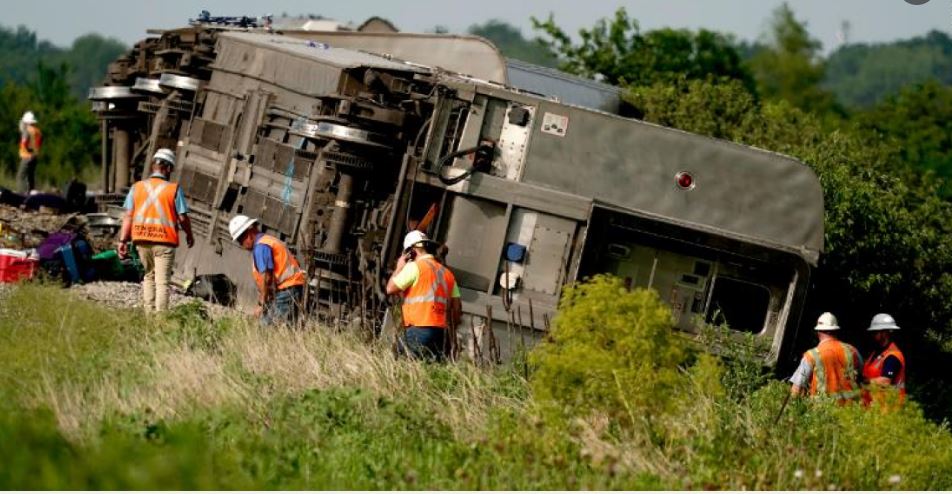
462, 152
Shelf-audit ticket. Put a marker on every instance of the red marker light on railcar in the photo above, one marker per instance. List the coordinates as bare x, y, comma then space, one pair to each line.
684, 180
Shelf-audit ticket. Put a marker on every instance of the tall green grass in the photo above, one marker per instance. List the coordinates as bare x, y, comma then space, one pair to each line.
108, 399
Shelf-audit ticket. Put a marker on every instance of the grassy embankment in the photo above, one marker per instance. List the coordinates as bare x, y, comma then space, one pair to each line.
96, 398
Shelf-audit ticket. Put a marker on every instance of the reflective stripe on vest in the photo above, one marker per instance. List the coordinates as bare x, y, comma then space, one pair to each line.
838, 384
154, 217
425, 302
439, 282
287, 271
819, 372
850, 364
31, 145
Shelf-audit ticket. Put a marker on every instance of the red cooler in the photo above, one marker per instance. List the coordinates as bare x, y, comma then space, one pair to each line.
16, 265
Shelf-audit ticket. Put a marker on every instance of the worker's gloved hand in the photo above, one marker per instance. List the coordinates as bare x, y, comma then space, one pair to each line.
190, 240
259, 311
123, 249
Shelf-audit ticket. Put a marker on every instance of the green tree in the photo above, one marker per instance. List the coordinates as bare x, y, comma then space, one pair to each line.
862, 75
87, 58
70, 132
52, 82
788, 65
620, 53
513, 44
19, 53
918, 123
718, 109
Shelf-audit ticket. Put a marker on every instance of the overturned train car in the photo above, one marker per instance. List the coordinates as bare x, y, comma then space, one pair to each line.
340, 152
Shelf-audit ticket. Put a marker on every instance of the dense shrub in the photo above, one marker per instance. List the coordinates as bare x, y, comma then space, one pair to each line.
714, 421
611, 350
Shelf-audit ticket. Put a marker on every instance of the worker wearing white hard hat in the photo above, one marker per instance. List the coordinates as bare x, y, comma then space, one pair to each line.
30, 141
155, 211
431, 299
886, 366
277, 274
832, 368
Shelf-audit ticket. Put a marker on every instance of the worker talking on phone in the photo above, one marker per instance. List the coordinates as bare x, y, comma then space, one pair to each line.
431, 298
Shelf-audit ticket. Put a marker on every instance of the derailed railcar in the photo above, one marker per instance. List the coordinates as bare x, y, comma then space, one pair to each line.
291, 132
340, 152
724, 232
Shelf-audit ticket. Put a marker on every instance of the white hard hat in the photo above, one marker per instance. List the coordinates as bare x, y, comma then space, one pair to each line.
882, 322
28, 118
413, 238
827, 322
238, 225
166, 155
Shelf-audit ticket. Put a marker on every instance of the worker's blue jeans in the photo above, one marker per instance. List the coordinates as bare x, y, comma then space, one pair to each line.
423, 343
285, 306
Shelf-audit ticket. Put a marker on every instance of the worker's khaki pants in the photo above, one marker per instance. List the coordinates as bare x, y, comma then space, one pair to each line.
26, 175
157, 259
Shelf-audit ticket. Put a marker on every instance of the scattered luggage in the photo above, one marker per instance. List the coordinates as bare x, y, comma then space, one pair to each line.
17, 265
67, 256
109, 267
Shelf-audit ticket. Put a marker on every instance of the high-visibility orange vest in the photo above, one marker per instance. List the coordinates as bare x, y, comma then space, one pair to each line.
874, 369
287, 271
154, 218
835, 370
30, 143
425, 302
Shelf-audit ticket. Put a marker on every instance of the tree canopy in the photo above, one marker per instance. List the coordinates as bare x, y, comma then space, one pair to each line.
513, 44
617, 52
86, 58
918, 123
788, 66
861, 75
52, 82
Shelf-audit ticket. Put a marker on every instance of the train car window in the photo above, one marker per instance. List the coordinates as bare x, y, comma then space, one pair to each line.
741, 305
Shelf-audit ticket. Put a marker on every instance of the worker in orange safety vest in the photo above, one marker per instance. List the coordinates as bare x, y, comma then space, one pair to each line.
431, 299
277, 274
886, 366
30, 141
155, 210
832, 369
